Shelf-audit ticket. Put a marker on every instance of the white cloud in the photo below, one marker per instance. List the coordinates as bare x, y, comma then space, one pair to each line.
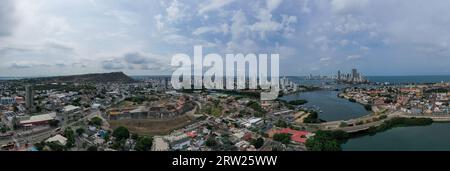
176, 39
305, 7
7, 17
239, 24
325, 59
224, 28
353, 57
350, 24
343, 6
125, 17
212, 5
159, 23
273, 4
175, 11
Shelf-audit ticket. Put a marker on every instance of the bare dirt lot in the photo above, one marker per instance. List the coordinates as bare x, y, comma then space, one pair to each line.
153, 127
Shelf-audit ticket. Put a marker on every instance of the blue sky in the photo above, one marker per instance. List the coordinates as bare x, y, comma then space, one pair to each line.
139, 37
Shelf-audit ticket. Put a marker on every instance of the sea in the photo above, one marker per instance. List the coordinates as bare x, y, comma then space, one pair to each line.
410, 79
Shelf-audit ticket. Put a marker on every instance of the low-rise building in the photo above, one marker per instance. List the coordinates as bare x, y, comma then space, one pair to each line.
38, 119
58, 138
159, 144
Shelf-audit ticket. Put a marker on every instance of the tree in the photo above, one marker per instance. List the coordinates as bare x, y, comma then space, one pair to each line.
80, 131
368, 107
39, 146
135, 136
283, 138
313, 117
298, 102
118, 144
55, 146
258, 143
211, 142
326, 141
92, 148
107, 136
70, 135
96, 121
281, 124
121, 133
144, 143
54, 123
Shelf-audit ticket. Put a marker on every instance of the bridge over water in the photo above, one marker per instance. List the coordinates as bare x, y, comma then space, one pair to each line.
352, 125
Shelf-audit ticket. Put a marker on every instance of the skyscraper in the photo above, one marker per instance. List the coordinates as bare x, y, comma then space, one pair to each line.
339, 75
354, 74
29, 98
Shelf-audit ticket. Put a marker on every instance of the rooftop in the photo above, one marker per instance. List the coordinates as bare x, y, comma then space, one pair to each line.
39, 118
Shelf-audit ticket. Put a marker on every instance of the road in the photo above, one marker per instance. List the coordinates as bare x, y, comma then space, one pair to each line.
41, 135
335, 125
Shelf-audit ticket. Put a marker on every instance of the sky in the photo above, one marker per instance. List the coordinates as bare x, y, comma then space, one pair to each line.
139, 37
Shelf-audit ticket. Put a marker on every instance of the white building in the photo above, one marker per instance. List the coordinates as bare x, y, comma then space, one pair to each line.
159, 144
71, 109
58, 138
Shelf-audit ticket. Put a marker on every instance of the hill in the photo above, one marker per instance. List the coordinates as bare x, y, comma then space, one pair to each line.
113, 77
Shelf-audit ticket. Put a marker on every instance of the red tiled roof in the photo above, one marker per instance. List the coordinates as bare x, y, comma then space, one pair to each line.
297, 136
192, 134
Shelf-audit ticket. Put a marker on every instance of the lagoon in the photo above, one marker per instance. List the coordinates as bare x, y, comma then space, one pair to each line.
434, 137
333, 108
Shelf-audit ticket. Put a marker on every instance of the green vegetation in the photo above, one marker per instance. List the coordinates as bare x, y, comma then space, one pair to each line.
227, 145
382, 117
437, 90
92, 148
118, 144
327, 141
70, 135
343, 124
282, 124
211, 142
135, 136
298, 102
400, 122
76, 102
96, 121
140, 99
368, 107
39, 146
313, 117
331, 140
80, 131
65, 88
257, 108
54, 123
3, 129
252, 94
258, 143
55, 146
144, 143
283, 138
121, 133
216, 111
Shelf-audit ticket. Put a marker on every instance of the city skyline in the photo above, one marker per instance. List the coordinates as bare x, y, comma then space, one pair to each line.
139, 38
